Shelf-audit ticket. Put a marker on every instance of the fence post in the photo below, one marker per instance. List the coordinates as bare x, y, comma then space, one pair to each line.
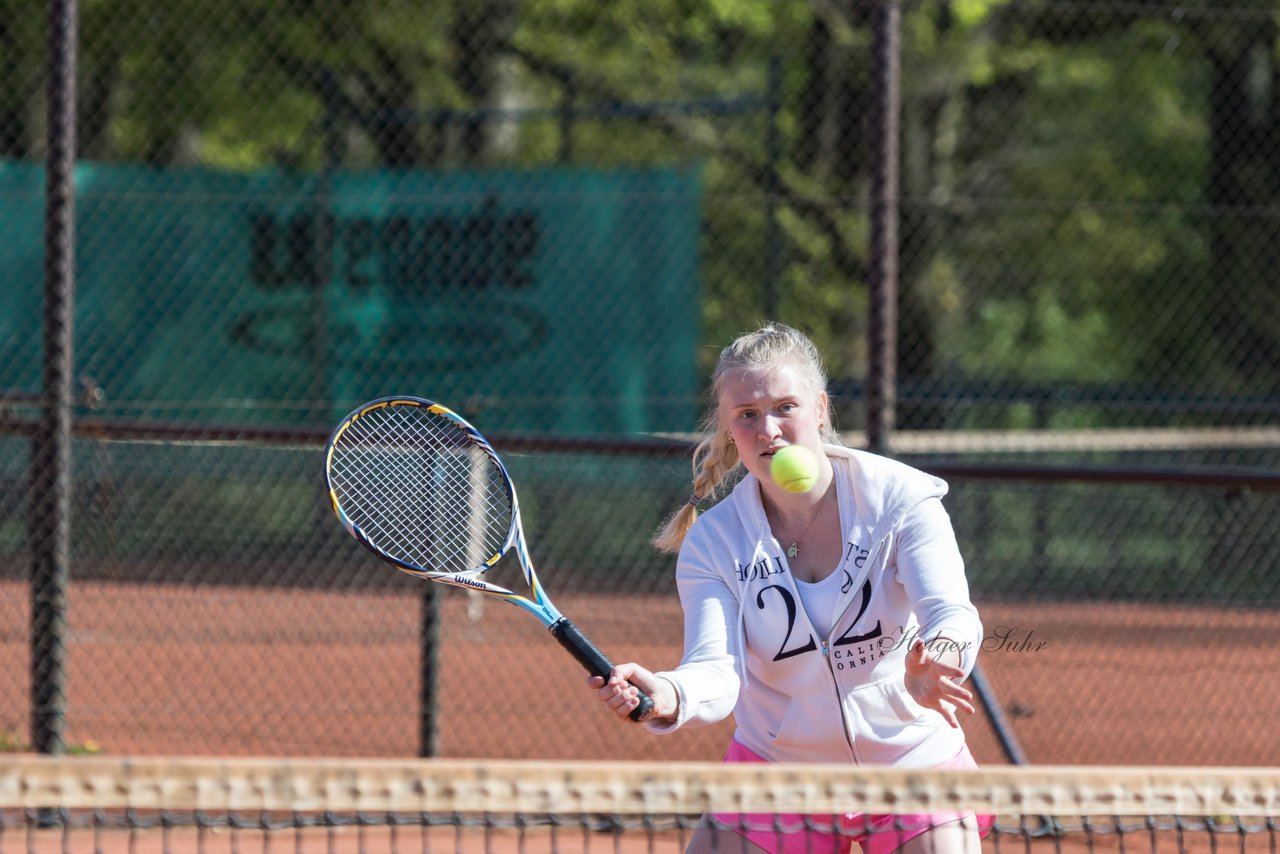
429, 653
882, 266
323, 236
773, 153
50, 497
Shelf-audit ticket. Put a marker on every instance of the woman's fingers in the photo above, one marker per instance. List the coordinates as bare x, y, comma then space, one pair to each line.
618, 695
960, 700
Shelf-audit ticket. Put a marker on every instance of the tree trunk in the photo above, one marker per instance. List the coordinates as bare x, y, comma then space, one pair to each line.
395, 134
479, 31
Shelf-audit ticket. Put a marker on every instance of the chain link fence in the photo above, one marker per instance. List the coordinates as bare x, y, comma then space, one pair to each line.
550, 215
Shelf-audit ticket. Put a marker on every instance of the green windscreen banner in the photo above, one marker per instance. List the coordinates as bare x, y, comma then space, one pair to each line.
545, 300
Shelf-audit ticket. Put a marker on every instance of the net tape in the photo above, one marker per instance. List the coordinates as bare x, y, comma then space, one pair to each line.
627, 788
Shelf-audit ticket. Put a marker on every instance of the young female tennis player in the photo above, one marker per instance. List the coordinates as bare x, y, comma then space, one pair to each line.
835, 624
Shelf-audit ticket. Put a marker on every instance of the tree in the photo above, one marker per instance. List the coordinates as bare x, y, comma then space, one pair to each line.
1054, 155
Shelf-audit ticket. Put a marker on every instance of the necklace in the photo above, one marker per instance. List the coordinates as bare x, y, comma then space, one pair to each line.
794, 549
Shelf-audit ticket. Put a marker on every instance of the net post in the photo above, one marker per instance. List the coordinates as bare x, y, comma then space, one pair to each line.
999, 720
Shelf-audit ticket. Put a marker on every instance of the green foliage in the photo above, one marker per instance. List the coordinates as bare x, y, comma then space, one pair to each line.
1078, 273
1054, 157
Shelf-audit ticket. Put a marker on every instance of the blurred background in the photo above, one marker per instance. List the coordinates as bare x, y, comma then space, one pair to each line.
1036, 242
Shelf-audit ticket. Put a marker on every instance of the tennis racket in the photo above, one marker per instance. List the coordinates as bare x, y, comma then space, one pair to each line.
422, 489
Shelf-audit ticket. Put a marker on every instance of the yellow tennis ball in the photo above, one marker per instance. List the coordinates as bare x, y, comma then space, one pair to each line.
794, 468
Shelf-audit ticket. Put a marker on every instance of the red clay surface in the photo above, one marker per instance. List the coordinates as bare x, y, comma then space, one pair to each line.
221, 670
231, 671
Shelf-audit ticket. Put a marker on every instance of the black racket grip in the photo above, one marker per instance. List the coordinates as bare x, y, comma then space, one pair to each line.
590, 657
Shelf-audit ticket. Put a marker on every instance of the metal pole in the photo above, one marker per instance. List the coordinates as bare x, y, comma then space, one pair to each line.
773, 147
882, 281
323, 236
1000, 722
50, 497
429, 651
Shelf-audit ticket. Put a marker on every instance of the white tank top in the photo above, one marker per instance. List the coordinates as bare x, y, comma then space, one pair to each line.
819, 600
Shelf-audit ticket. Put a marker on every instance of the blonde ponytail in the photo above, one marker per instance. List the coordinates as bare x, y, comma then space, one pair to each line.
714, 459
671, 536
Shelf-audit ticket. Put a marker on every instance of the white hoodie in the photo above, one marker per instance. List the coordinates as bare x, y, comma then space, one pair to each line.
750, 647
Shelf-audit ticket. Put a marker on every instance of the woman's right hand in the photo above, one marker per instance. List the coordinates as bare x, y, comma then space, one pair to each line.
935, 683
620, 692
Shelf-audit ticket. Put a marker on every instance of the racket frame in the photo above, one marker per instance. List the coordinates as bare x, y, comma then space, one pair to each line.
538, 604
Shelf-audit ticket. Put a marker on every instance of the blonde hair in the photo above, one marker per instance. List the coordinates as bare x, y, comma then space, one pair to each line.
715, 459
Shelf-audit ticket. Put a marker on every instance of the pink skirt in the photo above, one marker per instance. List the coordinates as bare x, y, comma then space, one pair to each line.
810, 834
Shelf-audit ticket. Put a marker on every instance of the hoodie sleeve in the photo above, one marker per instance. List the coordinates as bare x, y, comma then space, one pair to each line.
707, 679
931, 569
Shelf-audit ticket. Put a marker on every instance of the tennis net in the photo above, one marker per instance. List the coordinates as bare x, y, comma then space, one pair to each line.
167, 804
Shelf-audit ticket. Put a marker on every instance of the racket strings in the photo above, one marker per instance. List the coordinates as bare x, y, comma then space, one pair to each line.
421, 489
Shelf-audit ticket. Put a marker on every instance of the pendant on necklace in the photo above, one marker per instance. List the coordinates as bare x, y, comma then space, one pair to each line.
794, 550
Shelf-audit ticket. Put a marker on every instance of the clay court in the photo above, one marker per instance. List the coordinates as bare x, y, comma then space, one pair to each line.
236, 671
240, 671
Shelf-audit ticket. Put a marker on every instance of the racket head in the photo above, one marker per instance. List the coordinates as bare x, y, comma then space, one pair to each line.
419, 486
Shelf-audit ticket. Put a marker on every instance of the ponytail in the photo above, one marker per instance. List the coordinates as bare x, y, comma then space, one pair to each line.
714, 460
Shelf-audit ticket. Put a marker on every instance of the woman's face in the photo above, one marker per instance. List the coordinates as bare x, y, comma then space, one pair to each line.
764, 410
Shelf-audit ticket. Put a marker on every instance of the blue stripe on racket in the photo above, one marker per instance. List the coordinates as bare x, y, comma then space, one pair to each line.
422, 489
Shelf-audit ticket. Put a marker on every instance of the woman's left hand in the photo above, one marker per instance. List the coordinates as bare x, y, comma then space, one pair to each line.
935, 684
